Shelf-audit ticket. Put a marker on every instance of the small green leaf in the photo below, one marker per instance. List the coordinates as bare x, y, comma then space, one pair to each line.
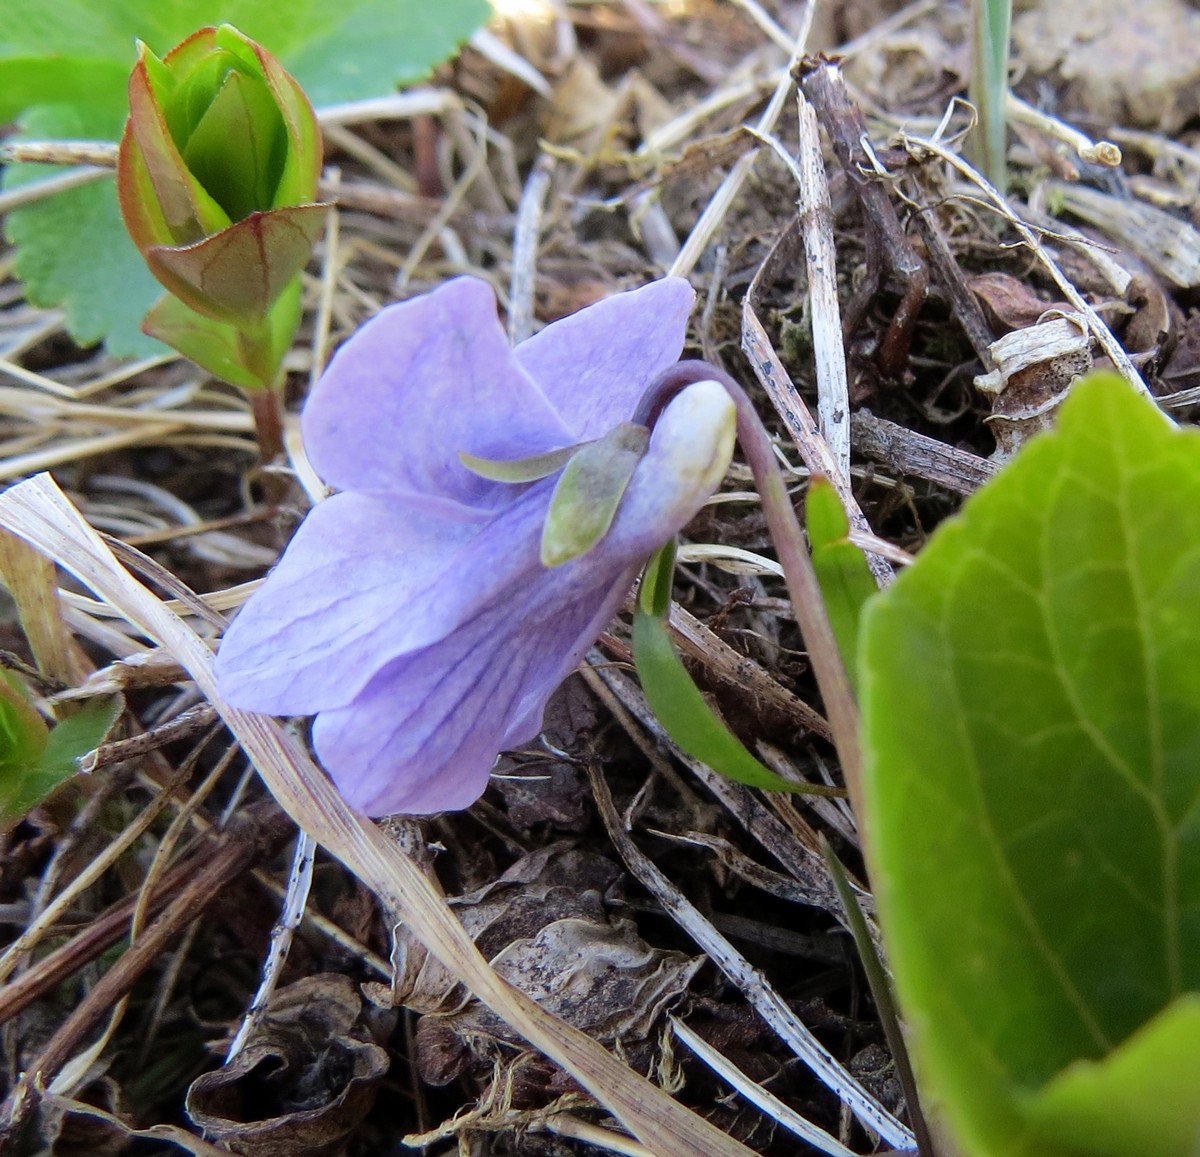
1143, 1098
1031, 724
586, 498
22, 730
682, 710
34, 760
224, 349
842, 571
212, 345
79, 733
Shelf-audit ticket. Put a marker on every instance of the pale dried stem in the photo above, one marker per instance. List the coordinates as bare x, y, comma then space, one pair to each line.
779, 1112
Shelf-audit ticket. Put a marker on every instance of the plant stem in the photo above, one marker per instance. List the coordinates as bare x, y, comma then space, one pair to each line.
991, 24
268, 430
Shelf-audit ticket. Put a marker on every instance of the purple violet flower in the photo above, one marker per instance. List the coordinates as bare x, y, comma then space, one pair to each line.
411, 612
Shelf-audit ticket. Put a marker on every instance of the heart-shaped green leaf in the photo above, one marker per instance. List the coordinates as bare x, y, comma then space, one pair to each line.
1031, 715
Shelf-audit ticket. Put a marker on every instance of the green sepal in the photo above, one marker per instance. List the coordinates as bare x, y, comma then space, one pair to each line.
516, 470
586, 498
843, 574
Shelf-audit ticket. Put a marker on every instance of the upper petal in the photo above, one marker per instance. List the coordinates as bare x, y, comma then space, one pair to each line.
594, 365
420, 382
367, 578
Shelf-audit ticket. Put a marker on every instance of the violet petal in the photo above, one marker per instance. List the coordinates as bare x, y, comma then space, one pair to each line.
365, 579
420, 382
594, 365
424, 734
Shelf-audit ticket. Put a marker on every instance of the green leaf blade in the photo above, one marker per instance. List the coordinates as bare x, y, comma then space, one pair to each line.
681, 709
1032, 740
1140, 1099
843, 574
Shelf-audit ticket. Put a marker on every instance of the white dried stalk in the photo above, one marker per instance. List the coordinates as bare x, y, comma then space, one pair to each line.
816, 227
294, 903
770, 1104
750, 982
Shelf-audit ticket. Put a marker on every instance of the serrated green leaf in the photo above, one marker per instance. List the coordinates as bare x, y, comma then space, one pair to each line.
1031, 718
30, 776
25, 82
842, 571
72, 249
372, 47
681, 709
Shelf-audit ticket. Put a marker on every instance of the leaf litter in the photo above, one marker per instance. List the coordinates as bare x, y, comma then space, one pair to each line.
600, 918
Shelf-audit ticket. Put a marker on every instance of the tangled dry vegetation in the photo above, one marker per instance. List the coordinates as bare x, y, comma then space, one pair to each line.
683, 923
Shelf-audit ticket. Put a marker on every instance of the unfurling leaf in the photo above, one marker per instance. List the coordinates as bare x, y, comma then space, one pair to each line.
217, 175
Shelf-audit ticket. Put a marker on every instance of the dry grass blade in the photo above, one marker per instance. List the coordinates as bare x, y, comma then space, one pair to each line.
753, 985
39, 512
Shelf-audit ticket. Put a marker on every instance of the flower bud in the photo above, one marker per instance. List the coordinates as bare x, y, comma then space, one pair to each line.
217, 175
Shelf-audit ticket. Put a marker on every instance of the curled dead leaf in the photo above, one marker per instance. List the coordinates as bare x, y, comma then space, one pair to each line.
302, 1083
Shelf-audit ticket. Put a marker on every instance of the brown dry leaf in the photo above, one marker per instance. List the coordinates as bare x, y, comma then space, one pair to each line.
1009, 303
602, 978
1156, 318
303, 1082
554, 883
1124, 63
1182, 371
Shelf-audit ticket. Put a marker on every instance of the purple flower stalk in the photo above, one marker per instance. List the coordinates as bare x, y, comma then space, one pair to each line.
412, 613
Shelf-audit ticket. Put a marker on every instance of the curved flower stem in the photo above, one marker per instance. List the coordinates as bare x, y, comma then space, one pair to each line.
790, 544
